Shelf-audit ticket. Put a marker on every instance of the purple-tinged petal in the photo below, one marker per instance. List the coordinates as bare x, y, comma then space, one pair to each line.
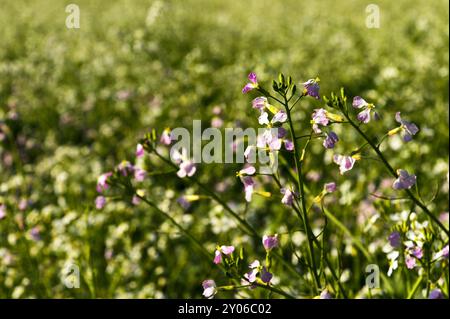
330, 187
252, 78
395, 239
227, 250
288, 145
280, 117
217, 257
139, 150
330, 140
259, 103
266, 276
364, 116
359, 102
270, 242
100, 202
436, 294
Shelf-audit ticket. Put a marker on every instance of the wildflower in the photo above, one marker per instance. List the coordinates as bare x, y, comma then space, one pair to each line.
417, 252
102, 182
187, 168
226, 250
251, 275
135, 200
139, 174
253, 84
249, 170
263, 119
395, 239
319, 117
249, 185
2, 211
100, 202
288, 197
330, 187
404, 180
259, 103
288, 145
410, 262
360, 103
325, 295
345, 162
125, 168
209, 288
270, 242
23, 204
183, 202
436, 294
330, 140
35, 234
409, 129
443, 253
279, 117
266, 276
166, 138
216, 122
311, 88
393, 262
139, 150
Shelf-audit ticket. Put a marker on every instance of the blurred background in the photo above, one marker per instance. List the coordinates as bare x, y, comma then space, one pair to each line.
74, 102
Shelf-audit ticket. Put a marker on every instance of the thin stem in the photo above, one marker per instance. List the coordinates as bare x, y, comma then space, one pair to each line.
298, 166
394, 174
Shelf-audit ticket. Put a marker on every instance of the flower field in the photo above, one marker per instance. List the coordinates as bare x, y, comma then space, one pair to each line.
224, 149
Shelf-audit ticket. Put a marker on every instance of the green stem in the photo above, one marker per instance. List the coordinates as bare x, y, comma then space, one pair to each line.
394, 174
298, 166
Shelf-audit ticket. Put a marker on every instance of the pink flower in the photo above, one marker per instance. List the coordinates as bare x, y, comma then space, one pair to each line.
409, 129
249, 185
312, 87
139, 150
2, 211
249, 170
410, 262
102, 182
35, 234
254, 270
259, 103
288, 145
125, 168
436, 294
187, 168
404, 180
266, 276
253, 84
135, 200
395, 240
166, 137
226, 250
330, 187
443, 253
270, 242
319, 117
364, 115
345, 163
218, 257
209, 288
100, 202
